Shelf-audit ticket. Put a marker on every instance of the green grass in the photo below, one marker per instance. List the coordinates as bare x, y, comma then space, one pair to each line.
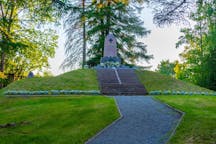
55, 120
75, 119
87, 80
157, 81
199, 123
74, 80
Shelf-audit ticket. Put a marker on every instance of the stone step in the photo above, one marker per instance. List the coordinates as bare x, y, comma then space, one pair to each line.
110, 85
125, 89
107, 76
128, 76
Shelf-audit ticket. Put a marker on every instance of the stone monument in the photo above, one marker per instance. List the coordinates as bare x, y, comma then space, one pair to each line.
110, 58
110, 46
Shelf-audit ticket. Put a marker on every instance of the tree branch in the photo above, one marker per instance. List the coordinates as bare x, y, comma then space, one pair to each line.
2, 10
177, 7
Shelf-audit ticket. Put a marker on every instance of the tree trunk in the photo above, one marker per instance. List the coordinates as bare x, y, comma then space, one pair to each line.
2, 62
108, 17
2, 66
84, 36
103, 33
103, 36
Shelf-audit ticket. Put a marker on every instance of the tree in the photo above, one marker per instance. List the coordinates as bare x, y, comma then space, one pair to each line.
73, 13
166, 67
22, 43
84, 35
200, 45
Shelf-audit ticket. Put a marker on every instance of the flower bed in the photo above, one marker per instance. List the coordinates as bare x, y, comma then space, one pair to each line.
108, 62
169, 92
52, 92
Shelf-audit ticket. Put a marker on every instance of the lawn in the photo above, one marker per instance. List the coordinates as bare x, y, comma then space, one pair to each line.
68, 120
74, 119
199, 123
82, 79
156, 81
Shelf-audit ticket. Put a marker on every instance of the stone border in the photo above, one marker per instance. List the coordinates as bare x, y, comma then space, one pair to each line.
104, 129
174, 109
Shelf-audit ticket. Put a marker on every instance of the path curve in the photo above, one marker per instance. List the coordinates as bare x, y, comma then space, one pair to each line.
145, 121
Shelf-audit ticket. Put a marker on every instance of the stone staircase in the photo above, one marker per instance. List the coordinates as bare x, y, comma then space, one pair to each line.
120, 81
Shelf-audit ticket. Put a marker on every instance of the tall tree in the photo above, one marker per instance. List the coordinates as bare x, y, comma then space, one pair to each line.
200, 45
74, 18
22, 41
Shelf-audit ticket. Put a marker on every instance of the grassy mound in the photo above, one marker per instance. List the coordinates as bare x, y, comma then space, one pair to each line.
198, 125
54, 120
87, 80
74, 80
157, 81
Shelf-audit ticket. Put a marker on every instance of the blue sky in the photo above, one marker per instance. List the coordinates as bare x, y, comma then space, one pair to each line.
160, 42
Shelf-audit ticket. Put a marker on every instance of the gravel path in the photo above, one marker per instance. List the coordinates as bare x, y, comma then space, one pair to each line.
145, 121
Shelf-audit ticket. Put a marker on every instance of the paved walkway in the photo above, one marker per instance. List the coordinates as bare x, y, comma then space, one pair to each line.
145, 121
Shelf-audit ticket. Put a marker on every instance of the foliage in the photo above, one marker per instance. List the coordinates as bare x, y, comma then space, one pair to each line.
66, 120
171, 11
166, 67
198, 124
2, 79
200, 47
2, 75
26, 40
120, 20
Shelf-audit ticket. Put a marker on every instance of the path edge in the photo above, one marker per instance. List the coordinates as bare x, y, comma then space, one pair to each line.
113, 123
179, 120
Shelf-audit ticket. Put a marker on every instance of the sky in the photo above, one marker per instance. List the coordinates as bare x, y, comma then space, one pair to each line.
160, 42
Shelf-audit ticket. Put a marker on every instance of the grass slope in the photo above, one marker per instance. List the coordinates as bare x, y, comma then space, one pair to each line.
74, 80
87, 80
68, 120
198, 125
157, 81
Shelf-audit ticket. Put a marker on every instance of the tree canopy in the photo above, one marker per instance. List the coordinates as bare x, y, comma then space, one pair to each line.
26, 39
200, 47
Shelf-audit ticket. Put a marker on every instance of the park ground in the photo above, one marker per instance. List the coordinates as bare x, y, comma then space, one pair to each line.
75, 119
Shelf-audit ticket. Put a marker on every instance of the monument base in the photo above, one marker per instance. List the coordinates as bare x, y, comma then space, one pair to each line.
110, 61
